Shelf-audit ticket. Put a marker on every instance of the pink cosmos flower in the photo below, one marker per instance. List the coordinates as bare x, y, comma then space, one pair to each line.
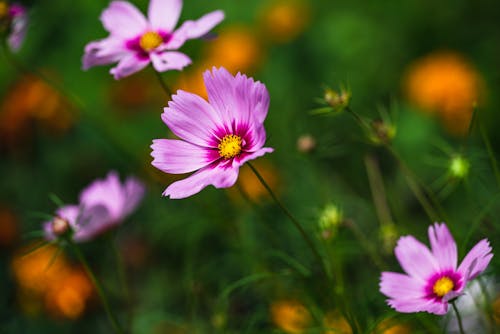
16, 20
216, 137
104, 204
135, 41
432, 277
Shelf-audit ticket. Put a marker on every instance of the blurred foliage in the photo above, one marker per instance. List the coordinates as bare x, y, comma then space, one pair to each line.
228, 261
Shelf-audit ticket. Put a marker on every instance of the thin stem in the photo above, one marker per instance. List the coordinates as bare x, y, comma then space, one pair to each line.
459, 318
98, 287
163, 84
295, 222
491, 154
362, 122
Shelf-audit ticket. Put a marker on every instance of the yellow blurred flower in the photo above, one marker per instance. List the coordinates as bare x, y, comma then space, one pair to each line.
446, 84
282, 21
335, 323
290, 316
32, 100
389, 326
45, 276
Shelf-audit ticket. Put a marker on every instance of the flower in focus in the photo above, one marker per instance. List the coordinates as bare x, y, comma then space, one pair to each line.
283, 20
216, 137
13, 24
445, 84
104, 204
135, 41
290, 316
432, 277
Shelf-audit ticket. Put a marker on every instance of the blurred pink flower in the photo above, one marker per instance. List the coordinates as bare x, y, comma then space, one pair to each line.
432, 277
217, 136
135, 40
17, 23
104, 204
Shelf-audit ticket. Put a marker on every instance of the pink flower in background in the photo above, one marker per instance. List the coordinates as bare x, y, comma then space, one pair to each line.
104, 204
216, 137
432, 277
135, 40
15, 18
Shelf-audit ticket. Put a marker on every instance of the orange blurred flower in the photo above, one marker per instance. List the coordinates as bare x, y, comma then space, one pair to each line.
282, 21
335, 323
389, 326
136, 92
237, 48
290, 316
46, 277
446, 84
32, 100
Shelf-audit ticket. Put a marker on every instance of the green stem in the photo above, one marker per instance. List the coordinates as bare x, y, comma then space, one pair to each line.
294, 221
163, 84
122, 277
491, 154
98, 287
459, 318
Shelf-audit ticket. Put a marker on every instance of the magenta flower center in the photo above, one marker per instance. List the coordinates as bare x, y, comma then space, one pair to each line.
150, 41
230, 146
442, 286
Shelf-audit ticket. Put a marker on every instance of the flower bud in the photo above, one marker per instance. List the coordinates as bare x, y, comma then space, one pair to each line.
60, 226
329, 220
459, 167
338, 101
306, 143
382, 132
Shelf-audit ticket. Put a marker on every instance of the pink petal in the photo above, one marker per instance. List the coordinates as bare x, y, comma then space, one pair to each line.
177, 156
253, 155
123, 19
68, 212
103, 52
415, 258
93, 221
238, 100
106, 192
134, 191
219, 177
128, 65
172, 60
164, 14
443, 246
195, 29
401, 286
476, 261
191, 118
418, 305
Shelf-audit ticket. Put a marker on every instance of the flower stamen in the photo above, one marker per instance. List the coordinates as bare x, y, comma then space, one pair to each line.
443, 286
150, 41
230, 146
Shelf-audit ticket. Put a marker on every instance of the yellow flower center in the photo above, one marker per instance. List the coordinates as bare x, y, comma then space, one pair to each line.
230, 146
150, 41
443, 286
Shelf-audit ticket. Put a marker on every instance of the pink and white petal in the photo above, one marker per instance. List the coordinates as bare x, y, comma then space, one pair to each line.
128, 65
134, 191
217, 176
93, 221
443, 246
170, 60
122, 19
238, 161
253, 97
194, 29
192, 118
177, 156
401, 286
107, 192
476, 261
103, 52
219, 85
418, 305
415, 258
164, 14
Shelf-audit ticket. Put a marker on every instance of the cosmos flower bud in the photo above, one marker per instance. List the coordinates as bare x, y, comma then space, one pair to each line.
382, 132
306, 143
459, 167
338, 101
60, 226
329, 221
